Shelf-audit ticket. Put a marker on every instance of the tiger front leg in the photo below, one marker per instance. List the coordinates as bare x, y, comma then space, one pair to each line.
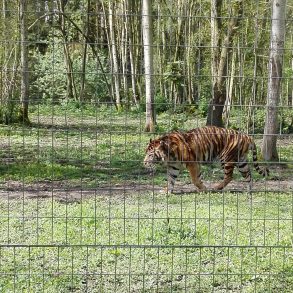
173, 171
194, 171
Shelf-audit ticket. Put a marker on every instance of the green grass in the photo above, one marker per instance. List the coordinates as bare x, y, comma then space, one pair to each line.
147, 219
122, 269
138, 242
148, 241
62, 144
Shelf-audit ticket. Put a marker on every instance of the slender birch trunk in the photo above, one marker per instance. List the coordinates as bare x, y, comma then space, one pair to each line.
114, 54
148, 64
228, 102
124, 56
131, 53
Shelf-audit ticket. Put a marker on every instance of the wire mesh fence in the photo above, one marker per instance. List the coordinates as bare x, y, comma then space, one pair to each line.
177, 268
78, 210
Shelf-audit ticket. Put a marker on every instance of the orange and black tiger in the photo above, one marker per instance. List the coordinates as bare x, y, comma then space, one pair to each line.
200, 145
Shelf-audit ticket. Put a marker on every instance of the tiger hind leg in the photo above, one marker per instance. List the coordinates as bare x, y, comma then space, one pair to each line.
228, 171
244, 170
194, 171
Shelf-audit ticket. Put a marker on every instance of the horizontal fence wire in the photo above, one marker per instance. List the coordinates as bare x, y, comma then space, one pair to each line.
79, 210
125, 269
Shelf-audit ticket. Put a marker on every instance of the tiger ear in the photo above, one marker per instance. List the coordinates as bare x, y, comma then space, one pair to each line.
151, 140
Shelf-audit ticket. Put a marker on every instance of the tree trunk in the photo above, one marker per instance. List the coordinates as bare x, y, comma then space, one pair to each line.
269, 146
115, 65
71, 90
84, 55
228, 102
215, 109
219, 59
24, 88
290, 80
129, 19
148, 65
124, 57
189, 69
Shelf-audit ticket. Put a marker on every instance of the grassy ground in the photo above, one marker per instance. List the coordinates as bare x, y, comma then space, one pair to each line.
93, 146
139, 241
148, 243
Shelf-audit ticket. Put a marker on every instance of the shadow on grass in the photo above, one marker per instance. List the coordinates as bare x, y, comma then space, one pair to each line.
84, 127
33, 171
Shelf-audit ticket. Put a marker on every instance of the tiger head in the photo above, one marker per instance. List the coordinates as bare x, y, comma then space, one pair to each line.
156, 151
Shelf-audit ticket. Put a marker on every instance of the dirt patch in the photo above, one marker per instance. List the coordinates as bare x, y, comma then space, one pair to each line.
60, 191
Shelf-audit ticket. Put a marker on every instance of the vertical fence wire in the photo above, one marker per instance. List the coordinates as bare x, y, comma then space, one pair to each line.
79, 212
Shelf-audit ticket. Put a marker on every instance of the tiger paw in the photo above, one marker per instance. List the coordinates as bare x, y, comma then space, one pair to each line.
202, 188
166, 191
218, 187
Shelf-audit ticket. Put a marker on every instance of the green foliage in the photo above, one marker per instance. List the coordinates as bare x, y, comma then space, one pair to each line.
203, 106
174, 72
9, 112
239, 119
286, 120
161, 104
49, 79
49, 75
204, 92
182, 53
257, 120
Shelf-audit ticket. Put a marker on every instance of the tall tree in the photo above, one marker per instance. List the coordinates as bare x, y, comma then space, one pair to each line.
220, 44
147, 32
24, 88
85, 51
269, 146
130, 24
71, 89
9, 62
114, 55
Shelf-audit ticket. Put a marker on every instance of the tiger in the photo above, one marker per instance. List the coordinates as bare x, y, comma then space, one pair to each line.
200, 145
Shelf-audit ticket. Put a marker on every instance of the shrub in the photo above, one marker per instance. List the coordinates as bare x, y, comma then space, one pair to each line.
49, 78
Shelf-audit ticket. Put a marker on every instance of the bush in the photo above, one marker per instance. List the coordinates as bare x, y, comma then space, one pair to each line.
161, 104
49, 79
257, 121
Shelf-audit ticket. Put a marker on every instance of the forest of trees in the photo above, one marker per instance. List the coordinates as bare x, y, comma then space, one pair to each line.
207, 55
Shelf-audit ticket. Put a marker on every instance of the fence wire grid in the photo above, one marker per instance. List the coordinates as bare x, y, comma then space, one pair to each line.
78, 210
